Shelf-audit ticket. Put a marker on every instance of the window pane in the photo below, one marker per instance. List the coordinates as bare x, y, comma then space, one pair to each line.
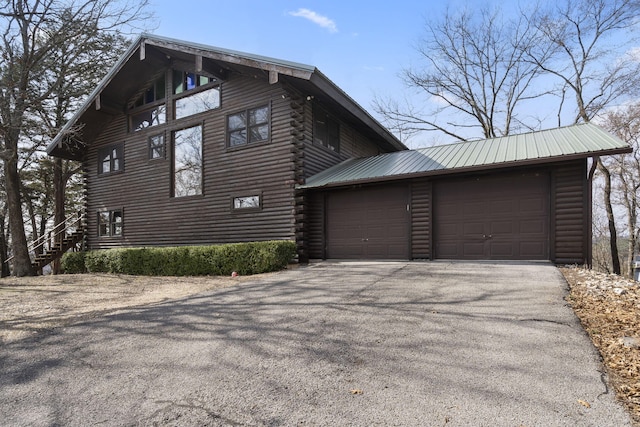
238, 137
197, 103
191, 81
259, 133
106, 165
237, 121
156, 147
116, 223
246, 202
144, 119
258, 116
187, 162
178, 82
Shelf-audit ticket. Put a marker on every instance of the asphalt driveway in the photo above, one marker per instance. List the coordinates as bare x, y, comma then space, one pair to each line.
422, 343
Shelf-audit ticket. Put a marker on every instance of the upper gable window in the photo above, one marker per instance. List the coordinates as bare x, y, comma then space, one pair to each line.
155, 93
248, 126
199, 102
326, 129
111, 159
145, 118
184, 81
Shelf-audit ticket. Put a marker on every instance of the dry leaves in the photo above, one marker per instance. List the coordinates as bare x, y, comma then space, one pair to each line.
609, 308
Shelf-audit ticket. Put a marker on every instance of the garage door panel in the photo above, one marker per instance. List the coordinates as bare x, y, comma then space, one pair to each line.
473, 249
502, 216
376, 225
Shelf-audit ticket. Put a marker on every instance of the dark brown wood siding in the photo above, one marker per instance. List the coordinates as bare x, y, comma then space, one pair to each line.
570, 220
143, 190
421, 196
316, 225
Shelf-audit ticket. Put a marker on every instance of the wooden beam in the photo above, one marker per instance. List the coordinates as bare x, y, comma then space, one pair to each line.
143, 53
198, 63
273, 76
98, 101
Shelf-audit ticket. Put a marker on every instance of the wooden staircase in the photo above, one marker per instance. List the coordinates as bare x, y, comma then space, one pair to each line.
56, 250
64, 236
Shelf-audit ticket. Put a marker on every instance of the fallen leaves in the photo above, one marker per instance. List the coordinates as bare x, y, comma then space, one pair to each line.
609, 309
356, 391
584, 403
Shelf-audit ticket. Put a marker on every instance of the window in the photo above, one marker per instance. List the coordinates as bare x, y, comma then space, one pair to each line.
149, 117
156, 147
111, 159
197, 103
110, 223
155, 93
246, 202
326, 129
248, 126
187, 162
184, 81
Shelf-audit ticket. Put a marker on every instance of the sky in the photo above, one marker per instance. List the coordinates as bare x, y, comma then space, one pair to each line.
360, 45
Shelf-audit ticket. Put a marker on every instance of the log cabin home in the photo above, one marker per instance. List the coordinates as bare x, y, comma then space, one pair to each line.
187, 144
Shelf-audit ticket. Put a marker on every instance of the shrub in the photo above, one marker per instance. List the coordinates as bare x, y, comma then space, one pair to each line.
244, 258
73, 263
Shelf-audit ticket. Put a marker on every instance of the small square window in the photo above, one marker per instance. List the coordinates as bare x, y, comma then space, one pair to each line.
110, 223
248, 126
111, 159
156, 147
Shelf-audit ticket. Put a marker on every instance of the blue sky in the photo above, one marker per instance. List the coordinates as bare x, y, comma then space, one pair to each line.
360, 45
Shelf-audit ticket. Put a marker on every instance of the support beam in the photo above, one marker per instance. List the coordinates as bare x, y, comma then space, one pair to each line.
198, 63
143, 53
273, 76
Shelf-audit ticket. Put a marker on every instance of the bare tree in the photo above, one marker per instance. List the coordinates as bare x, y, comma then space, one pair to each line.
625, 123
32, 32
591, 65
473, 80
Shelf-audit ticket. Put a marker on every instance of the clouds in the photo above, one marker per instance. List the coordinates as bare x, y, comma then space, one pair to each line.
316, 18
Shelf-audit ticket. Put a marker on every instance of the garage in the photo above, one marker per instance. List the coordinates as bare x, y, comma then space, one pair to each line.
500, 216
368, 223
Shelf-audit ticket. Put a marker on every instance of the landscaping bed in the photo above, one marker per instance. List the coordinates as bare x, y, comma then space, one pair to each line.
609, 308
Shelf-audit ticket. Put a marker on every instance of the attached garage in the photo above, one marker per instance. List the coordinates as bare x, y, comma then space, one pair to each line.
502, 216
521, 197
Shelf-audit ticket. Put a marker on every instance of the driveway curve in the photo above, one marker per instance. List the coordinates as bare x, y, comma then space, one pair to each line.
331, 343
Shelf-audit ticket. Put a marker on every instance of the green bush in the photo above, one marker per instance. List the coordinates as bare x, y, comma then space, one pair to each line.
220, 260
73, 262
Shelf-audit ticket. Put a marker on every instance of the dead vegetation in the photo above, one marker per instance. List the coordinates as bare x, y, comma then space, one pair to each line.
609, 308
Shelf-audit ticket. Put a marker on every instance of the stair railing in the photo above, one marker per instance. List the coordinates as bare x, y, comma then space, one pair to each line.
52, 236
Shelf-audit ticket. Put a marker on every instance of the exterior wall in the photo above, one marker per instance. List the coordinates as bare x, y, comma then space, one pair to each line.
143, 191
571, 213
421, 219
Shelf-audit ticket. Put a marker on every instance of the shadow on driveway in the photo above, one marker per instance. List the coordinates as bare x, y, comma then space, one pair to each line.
433, 343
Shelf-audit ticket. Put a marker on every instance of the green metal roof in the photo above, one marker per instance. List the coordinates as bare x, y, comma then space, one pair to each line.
565, 143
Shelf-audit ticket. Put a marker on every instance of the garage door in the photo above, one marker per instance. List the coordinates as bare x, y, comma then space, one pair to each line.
370, 223
492, 217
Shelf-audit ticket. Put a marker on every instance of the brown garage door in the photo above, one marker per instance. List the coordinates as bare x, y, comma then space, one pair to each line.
492, 217
369, 223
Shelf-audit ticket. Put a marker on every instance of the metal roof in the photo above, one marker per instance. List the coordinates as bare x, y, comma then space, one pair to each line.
565, 143
148, 53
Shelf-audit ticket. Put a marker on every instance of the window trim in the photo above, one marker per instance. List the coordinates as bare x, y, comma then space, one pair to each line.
247, 143
119, 147
111, 224
246, 194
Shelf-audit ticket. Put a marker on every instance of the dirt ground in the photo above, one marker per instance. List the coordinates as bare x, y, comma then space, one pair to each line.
609, 308
31, 305
607, 305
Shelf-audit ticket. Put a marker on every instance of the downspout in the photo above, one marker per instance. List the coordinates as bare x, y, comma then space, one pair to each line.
592, 171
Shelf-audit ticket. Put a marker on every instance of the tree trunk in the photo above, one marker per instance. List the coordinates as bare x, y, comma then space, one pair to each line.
613, 234
21, 261
59, 214
4, 269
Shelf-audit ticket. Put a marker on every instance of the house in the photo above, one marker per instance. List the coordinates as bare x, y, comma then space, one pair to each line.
183, 143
